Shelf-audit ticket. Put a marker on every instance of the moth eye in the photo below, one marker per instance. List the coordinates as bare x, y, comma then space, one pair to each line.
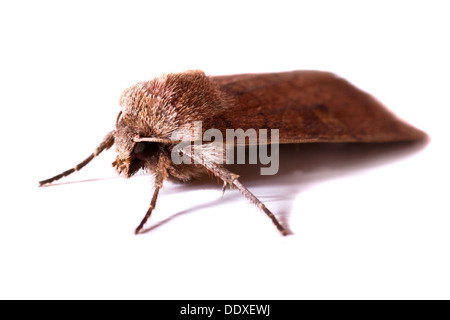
145, 150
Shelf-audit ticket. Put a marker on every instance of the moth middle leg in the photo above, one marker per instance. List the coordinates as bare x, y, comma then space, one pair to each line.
158, 185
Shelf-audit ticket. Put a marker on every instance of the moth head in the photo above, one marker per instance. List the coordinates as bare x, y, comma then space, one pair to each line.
163, 110
133, 155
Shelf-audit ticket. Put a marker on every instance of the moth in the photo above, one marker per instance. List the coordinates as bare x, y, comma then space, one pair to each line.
305, 106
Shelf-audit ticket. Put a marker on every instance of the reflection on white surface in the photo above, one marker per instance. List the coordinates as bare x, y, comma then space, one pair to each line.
301, 166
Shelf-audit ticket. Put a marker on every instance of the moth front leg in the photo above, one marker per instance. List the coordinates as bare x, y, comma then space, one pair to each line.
106, 143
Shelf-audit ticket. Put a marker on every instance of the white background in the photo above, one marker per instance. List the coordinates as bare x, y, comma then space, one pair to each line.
368, 222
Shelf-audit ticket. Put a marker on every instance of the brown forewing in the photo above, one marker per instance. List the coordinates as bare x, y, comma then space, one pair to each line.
308, 106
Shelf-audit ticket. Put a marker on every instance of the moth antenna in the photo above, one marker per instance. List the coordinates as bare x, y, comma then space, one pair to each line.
158, 185
106, 143
155, 139
118, 117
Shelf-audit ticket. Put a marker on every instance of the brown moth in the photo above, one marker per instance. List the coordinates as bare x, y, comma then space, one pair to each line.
306, 106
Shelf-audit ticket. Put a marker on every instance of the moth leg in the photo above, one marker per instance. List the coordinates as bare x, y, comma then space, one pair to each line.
224, 187
232, 179
107, 142
158, 185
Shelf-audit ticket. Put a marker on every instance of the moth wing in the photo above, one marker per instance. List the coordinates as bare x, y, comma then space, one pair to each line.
308, 106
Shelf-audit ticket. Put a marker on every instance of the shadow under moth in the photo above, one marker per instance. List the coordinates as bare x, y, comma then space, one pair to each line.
305, 106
